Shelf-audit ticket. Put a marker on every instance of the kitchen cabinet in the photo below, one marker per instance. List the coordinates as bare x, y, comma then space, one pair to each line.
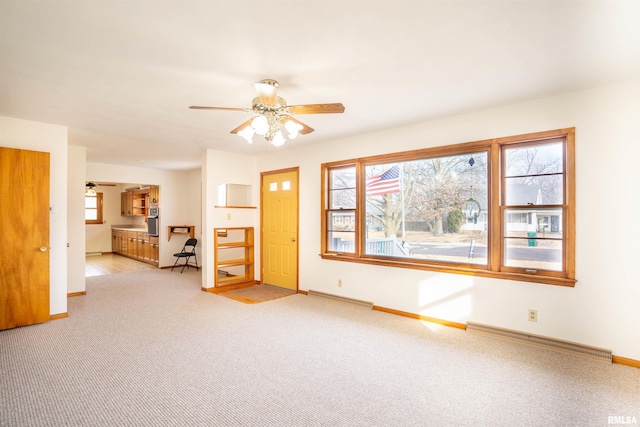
126, 203
132, 244
154, 253
143, 253
154, 196
137, 245
233, 256
116, 243
134, 203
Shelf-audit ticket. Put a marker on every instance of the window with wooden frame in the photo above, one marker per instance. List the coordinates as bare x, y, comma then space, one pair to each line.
93, 209
502, 208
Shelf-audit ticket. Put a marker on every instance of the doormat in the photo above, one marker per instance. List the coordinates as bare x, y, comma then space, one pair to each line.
257, 294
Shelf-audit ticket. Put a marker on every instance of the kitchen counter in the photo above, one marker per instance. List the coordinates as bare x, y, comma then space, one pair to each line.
129, 228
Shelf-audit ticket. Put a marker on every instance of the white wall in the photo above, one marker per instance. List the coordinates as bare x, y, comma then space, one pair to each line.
601, 310
179, 200
28, 135
75, 219
225, 168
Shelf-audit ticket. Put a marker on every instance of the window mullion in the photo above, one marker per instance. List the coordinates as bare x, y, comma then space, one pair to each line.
324, 209
569, 205
496, 214
360, 210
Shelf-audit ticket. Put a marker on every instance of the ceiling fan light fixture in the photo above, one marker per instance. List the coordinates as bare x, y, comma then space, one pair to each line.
274, 114
90, 190
278, 140
247, 133
292, 128
260, 125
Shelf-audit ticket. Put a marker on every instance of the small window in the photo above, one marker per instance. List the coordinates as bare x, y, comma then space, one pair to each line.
341, 222
93, 209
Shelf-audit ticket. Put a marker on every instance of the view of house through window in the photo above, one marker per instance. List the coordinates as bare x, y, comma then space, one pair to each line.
498, 206
534, 195
342, 209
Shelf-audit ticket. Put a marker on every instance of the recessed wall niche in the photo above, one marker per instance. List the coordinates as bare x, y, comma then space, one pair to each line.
234, 196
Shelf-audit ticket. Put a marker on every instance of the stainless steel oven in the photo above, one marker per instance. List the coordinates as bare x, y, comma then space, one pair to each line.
153, 222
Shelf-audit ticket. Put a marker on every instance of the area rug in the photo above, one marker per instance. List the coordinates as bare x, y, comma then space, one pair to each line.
257, 294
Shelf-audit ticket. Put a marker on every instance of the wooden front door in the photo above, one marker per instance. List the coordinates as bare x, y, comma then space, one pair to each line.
280, 228
24, 252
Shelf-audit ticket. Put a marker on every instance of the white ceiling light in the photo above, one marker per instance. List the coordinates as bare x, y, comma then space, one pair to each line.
270, 126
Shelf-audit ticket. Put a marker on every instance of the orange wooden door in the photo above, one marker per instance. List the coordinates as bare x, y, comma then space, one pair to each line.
280, 229
24, 252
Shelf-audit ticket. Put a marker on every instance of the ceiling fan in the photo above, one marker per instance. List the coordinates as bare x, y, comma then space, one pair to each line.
90, 187
273, 113
100, 184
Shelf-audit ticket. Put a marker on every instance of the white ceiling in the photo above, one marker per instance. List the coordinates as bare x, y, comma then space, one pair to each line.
121, 74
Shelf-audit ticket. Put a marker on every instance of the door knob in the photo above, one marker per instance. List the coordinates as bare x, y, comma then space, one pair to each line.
43, 249
293, 239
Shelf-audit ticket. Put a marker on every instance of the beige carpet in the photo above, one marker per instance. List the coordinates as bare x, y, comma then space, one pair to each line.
257, 294
152, 349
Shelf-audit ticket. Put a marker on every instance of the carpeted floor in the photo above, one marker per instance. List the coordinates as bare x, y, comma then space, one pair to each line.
257, 294
152, 349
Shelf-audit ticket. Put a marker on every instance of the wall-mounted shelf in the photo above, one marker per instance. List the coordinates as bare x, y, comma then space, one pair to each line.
181, 229
233, 256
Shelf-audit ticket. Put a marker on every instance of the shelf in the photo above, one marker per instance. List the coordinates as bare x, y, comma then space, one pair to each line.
232, 280
233, 251
232, 263
181, 229
233, 245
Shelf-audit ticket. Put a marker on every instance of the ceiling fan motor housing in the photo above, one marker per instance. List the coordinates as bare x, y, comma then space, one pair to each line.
261, 107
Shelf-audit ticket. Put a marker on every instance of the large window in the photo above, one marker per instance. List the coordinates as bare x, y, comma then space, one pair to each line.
499, 208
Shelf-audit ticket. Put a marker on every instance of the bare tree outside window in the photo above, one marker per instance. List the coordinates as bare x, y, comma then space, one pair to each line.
409, 220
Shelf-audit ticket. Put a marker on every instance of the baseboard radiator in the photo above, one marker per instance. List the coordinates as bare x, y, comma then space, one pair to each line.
541, 341
341, 298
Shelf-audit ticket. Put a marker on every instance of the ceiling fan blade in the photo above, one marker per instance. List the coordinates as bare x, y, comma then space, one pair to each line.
242, 126
267, 91
317, 108
197, 107
305, 128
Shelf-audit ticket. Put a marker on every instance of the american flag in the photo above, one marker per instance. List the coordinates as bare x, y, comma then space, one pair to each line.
387, 183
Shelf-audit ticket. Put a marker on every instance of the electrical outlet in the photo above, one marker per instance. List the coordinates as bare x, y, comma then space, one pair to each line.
339, 283
533, 315
228, 216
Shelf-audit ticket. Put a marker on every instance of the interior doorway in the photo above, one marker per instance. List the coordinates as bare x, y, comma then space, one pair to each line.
279, 228
128, 207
